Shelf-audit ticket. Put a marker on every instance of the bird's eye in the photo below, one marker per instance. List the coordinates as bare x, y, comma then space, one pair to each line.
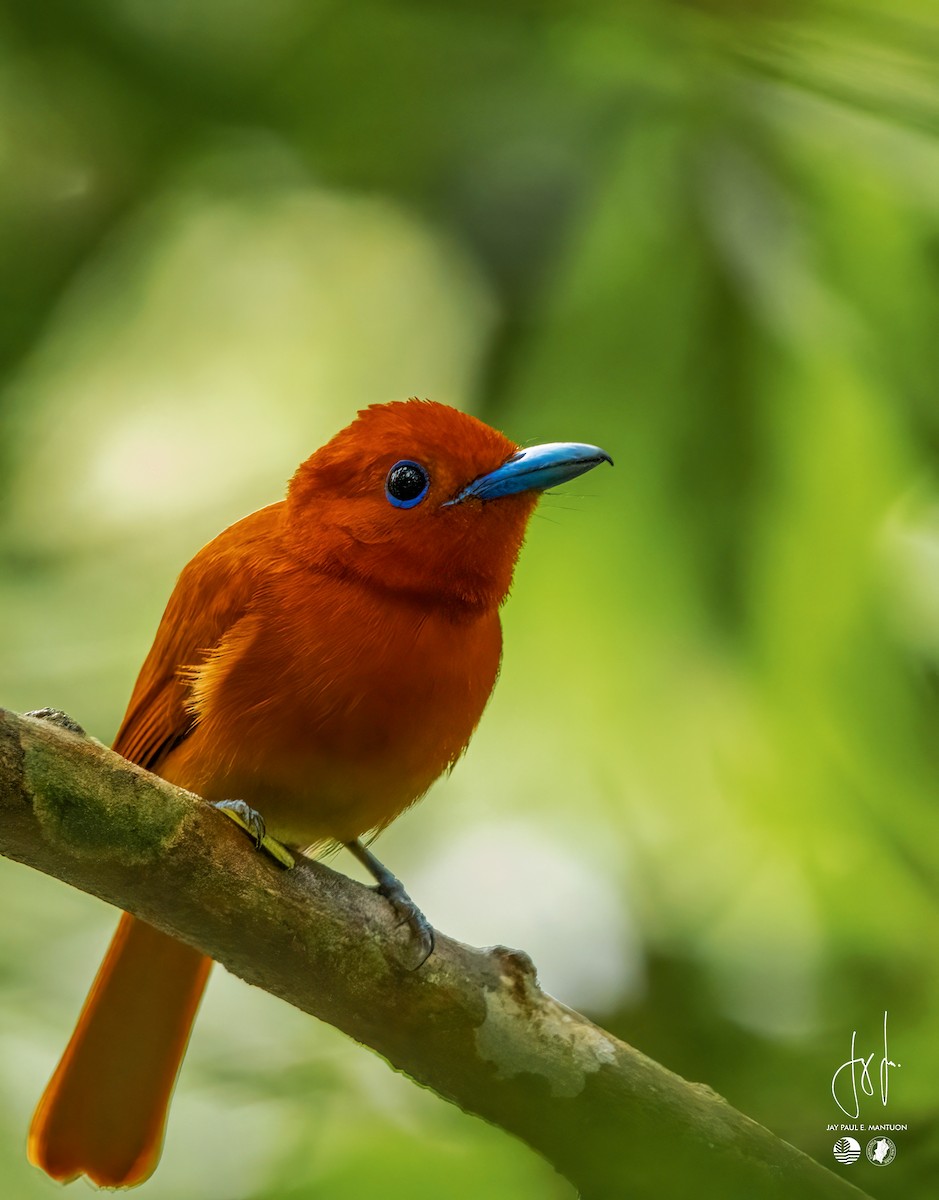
407, 484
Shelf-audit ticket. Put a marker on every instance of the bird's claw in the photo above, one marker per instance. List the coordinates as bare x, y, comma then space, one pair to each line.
251, 821
247, 817
421, 930
391, 888
55, 716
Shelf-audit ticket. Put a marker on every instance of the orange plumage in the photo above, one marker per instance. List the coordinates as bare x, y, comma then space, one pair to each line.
325, 659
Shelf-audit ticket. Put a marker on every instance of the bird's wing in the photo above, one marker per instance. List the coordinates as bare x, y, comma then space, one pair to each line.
213, 592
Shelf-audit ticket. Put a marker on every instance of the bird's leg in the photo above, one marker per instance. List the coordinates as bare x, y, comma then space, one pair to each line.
251, 821
392, 889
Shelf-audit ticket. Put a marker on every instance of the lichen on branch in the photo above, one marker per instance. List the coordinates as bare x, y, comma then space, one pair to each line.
471, 1024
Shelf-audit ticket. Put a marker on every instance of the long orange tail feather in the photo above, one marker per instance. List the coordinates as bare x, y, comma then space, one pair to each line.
104, 1110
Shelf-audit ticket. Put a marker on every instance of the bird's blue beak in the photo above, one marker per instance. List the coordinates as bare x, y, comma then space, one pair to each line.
535, 469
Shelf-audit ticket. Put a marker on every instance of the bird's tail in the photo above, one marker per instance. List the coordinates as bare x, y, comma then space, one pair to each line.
104, 1110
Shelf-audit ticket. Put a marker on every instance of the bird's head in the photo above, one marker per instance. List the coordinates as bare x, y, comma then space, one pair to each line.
418, 498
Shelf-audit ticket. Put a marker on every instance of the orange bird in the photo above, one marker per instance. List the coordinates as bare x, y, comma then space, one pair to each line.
324, 660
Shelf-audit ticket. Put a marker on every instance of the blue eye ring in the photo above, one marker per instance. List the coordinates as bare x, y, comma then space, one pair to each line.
406, 484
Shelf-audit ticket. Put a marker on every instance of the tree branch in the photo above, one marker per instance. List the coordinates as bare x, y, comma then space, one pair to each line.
472, 1025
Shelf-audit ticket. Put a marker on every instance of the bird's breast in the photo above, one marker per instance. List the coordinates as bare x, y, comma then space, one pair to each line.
332, 707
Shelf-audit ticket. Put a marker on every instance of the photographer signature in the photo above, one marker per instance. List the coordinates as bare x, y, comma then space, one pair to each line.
859, 1069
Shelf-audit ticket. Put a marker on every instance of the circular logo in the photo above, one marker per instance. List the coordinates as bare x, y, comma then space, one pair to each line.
881, 1151
847, 1150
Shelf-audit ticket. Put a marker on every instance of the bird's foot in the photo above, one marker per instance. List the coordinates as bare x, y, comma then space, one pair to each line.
407, 912
247, 817
251, 821
55, 716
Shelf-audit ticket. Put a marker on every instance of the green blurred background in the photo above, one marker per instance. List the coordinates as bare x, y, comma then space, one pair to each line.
704, 236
